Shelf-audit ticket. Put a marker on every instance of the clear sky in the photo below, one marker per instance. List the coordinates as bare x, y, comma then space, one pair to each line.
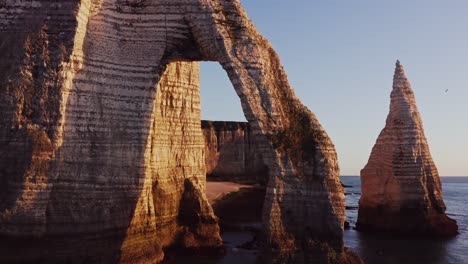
340, 57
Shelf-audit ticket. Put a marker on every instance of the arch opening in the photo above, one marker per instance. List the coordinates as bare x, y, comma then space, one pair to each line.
228, 152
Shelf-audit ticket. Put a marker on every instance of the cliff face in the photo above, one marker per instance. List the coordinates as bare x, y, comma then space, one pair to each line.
401, 189
171, 207
100, 133
231, 152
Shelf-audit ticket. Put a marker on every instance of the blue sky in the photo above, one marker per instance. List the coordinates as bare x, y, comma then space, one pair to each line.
340, 57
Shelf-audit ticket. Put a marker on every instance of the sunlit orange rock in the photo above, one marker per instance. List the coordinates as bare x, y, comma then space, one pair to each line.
401, 189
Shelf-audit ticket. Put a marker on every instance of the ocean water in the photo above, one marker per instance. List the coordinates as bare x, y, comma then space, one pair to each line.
395, 250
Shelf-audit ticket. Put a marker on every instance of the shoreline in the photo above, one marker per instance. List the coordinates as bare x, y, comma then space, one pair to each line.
241, 244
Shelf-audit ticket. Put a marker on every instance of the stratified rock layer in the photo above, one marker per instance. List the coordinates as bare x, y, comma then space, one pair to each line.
401, 189
101, 147
231, 152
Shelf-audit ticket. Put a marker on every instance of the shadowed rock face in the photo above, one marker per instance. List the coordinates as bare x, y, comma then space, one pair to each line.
231, 152
100, 139
401, 189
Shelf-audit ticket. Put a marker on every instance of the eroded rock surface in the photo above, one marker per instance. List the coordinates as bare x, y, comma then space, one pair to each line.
231, 152
101, 146
401, 189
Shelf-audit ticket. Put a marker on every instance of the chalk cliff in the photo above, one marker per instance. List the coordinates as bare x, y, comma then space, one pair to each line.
100, 140
401, 189
231, 152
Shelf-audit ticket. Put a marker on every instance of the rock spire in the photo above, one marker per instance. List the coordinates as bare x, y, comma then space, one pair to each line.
401, 189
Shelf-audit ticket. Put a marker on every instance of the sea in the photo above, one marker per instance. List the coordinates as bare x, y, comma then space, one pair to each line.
377, 249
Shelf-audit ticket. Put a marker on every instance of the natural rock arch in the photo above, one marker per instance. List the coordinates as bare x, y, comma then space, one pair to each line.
86, 123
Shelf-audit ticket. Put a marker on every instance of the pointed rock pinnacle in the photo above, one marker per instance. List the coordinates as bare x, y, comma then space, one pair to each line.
401, 189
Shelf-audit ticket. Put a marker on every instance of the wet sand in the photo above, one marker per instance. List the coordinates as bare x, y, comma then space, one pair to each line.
216, 190
240, 214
